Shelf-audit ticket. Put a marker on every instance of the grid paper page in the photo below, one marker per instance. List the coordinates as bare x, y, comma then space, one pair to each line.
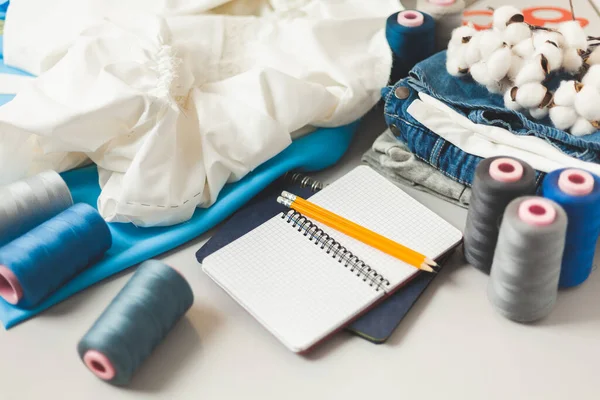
298, 292
367, 198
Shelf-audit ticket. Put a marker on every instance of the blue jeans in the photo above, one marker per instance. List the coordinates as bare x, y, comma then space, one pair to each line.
482, 107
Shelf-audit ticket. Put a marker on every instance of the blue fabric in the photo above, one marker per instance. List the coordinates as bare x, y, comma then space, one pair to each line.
475, 102
132, 245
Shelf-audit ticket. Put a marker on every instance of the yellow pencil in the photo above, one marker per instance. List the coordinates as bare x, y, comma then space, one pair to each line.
358, 232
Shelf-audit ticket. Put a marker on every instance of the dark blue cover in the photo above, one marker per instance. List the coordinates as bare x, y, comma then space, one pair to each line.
376, 325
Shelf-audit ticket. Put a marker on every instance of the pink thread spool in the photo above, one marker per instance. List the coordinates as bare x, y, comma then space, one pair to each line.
410, 18
537, 211
576, 182
442, 2
99, 364
506, 170
10, 287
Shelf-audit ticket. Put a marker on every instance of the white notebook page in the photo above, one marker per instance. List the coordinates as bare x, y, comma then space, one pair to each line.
300, 293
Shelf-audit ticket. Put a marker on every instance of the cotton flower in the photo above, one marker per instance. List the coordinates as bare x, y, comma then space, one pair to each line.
516, 33
479, 72
516, 63
490, 41
498, 86
510, 99
456, 67
587, 103
472, 51
563, 117
538, 113
572, 61
460, 36
582, 127
541, 37
524, 48
592, 77
505, 16
553, 54
566, 92
531, 95
499, 63
574, 35
533, 70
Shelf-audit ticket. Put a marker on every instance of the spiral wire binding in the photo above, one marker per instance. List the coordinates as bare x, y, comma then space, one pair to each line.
303, 180
333, 247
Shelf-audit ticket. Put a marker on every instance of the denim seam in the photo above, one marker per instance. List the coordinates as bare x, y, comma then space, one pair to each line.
437, 149
455, 178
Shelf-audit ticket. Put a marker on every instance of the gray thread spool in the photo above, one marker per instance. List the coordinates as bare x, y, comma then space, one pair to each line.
498, 181
27, 203
135, 322
448, 15
523, 283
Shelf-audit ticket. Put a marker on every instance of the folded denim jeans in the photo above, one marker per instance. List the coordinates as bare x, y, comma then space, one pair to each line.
392, 159
473, 103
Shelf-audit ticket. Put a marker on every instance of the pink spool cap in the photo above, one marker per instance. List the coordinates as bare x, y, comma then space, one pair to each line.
99, 364
10, 287
537, 211
442, 2
576, 182
506, 170
410, 18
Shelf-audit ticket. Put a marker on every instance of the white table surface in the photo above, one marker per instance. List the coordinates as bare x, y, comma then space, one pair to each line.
452, 345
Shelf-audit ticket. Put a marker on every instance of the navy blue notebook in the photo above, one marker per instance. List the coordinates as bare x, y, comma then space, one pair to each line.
378, 324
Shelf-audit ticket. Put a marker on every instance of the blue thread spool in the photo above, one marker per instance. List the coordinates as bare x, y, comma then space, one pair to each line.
27, 203
135, 322
578, 192
411, 37
39, 262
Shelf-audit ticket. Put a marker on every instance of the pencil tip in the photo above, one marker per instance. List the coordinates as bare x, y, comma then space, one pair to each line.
427, 268
429, 261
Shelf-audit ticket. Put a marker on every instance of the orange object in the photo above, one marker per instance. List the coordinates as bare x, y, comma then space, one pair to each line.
357, 232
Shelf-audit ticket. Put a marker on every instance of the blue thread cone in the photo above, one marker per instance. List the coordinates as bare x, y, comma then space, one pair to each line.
583, 228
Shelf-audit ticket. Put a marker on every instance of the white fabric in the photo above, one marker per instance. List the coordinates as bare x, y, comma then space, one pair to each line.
173, 107
12, 84
489, 141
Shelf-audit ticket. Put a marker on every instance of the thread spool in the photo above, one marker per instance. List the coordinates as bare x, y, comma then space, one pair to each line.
411, 37
27, 203
578, 192
39, 262
523, 283
135, 322
448, 15
497, 181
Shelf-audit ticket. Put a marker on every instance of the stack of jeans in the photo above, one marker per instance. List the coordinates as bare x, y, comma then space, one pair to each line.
441, 127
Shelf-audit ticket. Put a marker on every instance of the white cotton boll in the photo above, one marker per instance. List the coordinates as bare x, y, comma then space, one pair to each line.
479, 72
592, 77
538, 113
541, 37
565, 94
574, 35
461, 35
582, 127
490, 41
531, 71
531, 95
524, 48
553, 54
472, 52
594, 57
499, 63
455, 68
572, 61
508, 100
516, 63
587, 103
563, 117
497, 87
516, 33
504, 15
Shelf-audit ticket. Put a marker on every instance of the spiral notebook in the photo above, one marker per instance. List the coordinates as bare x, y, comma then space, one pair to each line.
304, 281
